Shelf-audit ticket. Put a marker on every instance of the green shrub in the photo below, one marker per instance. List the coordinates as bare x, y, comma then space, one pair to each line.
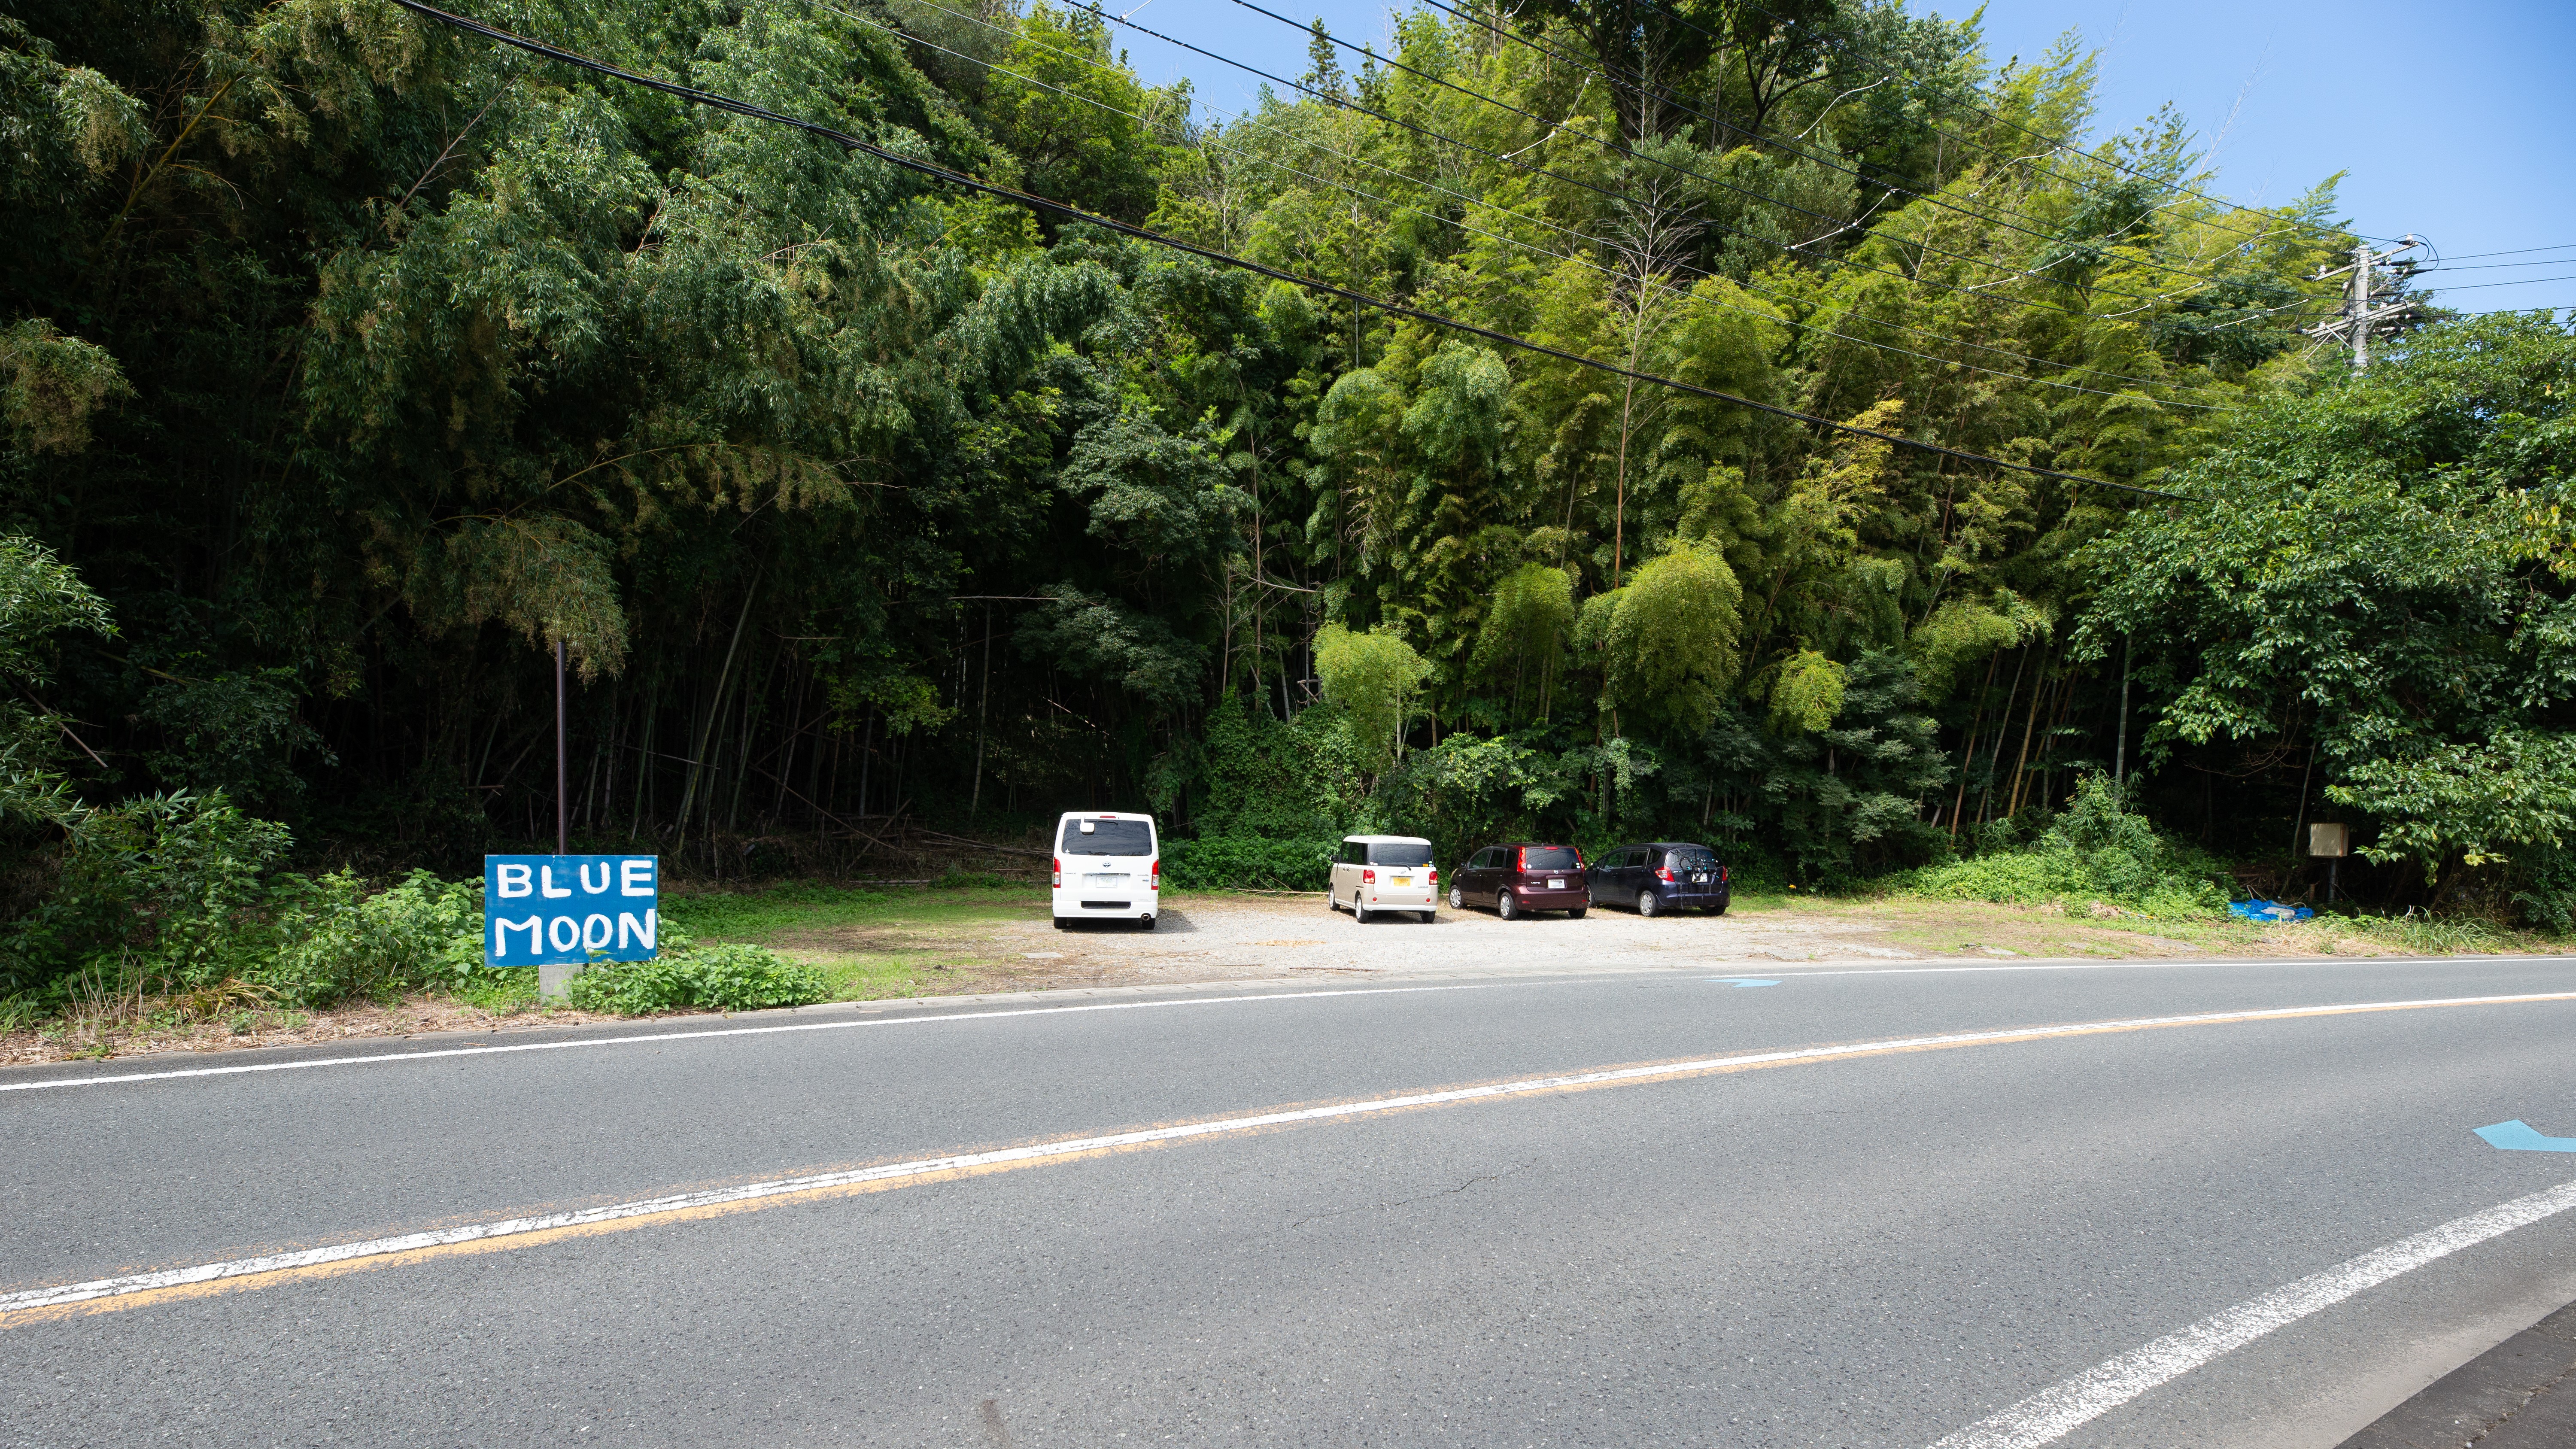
699, 978
168, 886
1228, 863
2543, 886
2097, 850
335, 940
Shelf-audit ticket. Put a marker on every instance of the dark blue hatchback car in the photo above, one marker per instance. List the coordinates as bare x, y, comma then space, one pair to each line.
1661, 875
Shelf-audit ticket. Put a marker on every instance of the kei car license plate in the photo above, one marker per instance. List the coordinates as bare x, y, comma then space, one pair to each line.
1554, 884
1404, 880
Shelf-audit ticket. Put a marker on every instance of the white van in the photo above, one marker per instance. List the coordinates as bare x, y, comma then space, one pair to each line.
1385, 873
1108, 867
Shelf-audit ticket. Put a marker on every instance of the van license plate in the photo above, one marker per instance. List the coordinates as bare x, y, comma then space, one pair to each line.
1098, 879
1700, 879
1555, 885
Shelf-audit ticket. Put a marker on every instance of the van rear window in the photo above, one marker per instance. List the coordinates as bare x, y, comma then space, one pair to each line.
1108, 837
1399, 855
1548, 857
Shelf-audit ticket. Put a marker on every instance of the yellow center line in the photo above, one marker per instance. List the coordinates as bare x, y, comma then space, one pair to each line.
43, 1304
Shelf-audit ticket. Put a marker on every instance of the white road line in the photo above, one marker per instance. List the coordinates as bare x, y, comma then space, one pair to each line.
2051, 1414
1789, 968
386, 1058
70, 1293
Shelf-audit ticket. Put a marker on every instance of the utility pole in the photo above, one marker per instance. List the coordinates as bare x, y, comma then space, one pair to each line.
2362, 313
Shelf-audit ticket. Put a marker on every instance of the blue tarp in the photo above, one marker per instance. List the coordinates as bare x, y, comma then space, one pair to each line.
2259, 909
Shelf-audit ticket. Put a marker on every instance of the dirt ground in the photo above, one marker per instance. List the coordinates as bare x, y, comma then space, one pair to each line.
925, 946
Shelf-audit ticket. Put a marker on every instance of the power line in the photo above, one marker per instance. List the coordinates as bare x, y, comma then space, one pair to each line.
1680, 293
2520, 252
2500, 266
2523, 282
716, 101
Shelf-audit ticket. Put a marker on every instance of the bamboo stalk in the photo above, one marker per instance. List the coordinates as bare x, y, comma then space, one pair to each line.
715, 710
2030, 722
1986, 797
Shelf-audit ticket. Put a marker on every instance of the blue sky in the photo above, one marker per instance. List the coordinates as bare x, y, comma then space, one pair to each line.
2451, 122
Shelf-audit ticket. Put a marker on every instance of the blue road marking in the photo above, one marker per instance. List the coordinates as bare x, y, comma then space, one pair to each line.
1741, 982
2520, 1136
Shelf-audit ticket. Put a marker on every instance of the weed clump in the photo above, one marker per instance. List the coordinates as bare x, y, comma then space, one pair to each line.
690, 977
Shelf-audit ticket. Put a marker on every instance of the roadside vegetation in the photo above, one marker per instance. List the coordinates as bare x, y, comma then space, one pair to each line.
351, 368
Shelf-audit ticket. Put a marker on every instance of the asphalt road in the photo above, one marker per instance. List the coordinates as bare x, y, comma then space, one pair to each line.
1879, 1247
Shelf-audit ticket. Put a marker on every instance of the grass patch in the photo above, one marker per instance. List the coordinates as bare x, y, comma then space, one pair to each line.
773, 915
868, 943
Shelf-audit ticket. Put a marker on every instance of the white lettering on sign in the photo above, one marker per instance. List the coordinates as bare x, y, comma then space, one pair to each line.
501, 930
637, 932
570, 907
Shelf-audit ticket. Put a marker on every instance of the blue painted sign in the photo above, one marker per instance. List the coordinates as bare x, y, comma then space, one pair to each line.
2520, 1136
569, 910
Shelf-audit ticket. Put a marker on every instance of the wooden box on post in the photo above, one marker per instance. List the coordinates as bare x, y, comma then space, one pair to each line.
559, 913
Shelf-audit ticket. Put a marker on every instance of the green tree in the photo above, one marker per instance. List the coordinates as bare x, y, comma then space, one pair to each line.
2382, 568
1372, 677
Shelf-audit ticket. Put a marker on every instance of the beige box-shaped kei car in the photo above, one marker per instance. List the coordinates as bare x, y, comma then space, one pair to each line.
1385, 873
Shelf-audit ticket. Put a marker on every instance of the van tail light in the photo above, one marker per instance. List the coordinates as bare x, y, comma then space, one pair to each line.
1058, 865
1158, 874
1665, 875
1368, 877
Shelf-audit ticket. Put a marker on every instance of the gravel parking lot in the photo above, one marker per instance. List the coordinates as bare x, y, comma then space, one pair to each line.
1223, 937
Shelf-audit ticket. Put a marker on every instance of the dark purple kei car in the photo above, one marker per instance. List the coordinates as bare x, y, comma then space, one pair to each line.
1520, 878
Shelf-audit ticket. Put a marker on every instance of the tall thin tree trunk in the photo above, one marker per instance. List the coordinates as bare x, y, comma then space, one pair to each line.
1986, 797
644, 759
1968, 756
984, 707
715, 710
867, 758
2021, 761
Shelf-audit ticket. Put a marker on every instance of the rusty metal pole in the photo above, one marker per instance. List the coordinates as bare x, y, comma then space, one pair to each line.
563, 801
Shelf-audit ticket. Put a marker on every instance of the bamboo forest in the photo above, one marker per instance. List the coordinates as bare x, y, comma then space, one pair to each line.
1793, 428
